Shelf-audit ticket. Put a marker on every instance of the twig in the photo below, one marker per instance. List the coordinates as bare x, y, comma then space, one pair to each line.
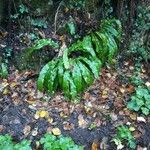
56, 15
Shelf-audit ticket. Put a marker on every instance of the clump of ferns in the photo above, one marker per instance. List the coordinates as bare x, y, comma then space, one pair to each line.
81, 62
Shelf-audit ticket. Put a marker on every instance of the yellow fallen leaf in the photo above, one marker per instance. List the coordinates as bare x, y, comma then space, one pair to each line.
43, 113
132, 129
105, 94
56, 131
62, 115
6, 91
13, 84
50, 120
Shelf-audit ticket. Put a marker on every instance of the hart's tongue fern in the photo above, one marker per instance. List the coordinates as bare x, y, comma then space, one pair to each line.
73, 75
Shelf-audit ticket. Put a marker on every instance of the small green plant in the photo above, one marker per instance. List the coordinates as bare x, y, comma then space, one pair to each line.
51, 142
80, 63
6, 143
3, 70
40, 44
140, 40
124, 135
140, 101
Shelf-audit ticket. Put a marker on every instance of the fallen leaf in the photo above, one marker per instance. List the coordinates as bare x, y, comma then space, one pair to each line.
50, 120
68, 126
35, 132
103, 144
132, 129
95, 145
130, 88
147, 84
43, 113
6, 91
81, 122
122, 90
141, 119
133, 116
56, 131
36, 116
1, 128
26, 130
13, 84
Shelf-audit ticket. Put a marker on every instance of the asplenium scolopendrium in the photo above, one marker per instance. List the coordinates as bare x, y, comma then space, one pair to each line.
74, 74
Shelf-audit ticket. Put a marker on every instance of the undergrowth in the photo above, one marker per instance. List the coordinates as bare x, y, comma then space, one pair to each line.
48, 142
80, 63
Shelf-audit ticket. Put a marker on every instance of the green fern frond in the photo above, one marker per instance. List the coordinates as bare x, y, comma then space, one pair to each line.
40, 44
74, 74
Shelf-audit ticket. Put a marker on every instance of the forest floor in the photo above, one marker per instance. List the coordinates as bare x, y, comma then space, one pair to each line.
27, 113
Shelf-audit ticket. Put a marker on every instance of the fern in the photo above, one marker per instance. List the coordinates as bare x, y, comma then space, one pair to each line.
74, 74
40, 44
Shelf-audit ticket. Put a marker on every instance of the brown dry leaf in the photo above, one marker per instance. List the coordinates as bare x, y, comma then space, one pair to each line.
1, 128
56, 131
126, 111
98, 122
26, 130
81, 122
136, 134
95, 145
68, 126
130, 88
122, 90
133, 116
14, 95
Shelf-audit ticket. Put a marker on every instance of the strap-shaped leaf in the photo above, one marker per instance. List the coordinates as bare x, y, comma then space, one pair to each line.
51, 78
60, 72
98, 45
77, 77
65, 58
42, 75
73, 89
66, 83
94, 65
86, 74
104, 39
85, 45
40, 44
112, 30
112, 47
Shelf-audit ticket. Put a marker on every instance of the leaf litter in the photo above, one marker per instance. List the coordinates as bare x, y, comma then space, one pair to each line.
103, 104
